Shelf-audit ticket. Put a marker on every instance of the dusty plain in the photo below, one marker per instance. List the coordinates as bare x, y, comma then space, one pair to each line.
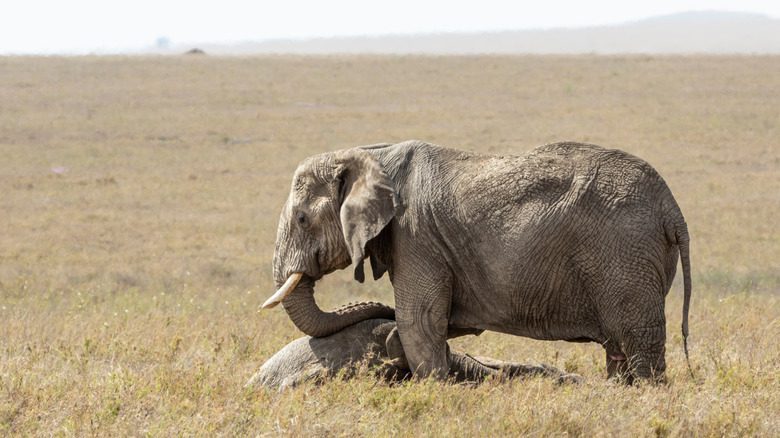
139, 199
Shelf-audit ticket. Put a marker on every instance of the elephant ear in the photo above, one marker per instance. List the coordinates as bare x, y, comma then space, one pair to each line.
368, 203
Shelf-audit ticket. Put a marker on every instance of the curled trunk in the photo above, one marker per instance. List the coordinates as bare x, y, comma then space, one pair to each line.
311, 320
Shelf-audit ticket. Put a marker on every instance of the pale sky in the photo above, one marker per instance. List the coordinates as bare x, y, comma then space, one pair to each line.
85, 26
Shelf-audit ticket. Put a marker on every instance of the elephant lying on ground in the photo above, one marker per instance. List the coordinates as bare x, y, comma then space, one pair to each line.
569, 242
374, 343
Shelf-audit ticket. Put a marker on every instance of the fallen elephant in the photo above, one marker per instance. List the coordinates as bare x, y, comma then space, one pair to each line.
375, 344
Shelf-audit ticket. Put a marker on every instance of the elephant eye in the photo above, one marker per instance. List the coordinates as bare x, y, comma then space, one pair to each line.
301, 217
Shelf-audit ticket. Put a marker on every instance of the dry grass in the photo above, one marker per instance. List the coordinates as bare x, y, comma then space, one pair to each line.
140, 198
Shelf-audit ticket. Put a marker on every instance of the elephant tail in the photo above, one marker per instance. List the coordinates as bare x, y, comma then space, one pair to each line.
683, 243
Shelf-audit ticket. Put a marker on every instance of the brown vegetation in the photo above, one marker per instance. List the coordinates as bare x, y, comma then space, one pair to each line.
139, 205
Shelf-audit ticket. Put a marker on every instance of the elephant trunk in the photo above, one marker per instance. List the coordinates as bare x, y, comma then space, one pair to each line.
311, 320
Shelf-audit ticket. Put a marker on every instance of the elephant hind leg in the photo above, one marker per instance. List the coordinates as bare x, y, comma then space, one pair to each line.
645, 352
632, 312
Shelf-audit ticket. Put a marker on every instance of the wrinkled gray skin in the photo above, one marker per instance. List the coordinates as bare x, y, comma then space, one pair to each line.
374, 343
569, 242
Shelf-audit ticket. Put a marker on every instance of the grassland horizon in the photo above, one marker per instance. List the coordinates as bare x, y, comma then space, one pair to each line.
140, 198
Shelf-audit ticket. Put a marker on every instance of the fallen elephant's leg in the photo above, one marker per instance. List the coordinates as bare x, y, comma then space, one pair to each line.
466, 368
515, 370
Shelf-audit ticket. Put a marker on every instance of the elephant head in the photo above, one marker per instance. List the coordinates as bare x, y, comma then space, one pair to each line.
338, 202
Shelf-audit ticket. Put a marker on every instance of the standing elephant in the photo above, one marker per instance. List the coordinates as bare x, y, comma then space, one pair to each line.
374, 343
570, 242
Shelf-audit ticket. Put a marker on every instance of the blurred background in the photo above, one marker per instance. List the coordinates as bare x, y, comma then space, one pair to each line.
403, 26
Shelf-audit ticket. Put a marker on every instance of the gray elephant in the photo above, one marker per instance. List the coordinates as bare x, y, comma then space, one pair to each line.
374, 343
570, 242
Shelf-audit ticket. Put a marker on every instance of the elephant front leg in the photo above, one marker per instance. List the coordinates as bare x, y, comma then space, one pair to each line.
422, 320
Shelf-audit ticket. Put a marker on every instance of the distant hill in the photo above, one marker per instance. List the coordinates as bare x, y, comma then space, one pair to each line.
689, 32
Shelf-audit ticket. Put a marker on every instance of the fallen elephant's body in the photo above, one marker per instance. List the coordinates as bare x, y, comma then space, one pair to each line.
374, 344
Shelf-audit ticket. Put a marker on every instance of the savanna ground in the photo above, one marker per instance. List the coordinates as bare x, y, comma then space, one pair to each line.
140, 197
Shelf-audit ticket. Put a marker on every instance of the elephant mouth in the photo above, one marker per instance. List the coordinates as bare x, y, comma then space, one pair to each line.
284, 290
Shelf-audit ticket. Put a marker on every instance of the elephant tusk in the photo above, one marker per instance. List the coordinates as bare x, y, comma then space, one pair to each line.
283, 291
